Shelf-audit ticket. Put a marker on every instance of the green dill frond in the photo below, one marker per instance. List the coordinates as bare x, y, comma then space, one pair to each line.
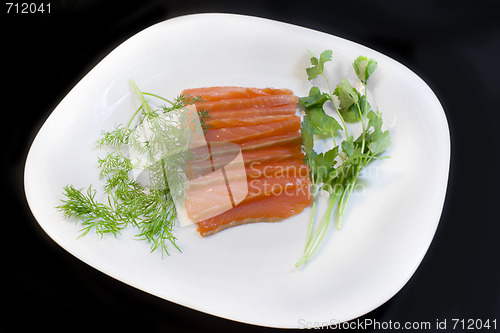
158, 144
158, 221
92, 215
114, 138
204, 115
113, 163
186, 99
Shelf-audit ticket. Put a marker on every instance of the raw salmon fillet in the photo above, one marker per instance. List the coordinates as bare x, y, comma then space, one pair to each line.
245, 121
289, 109
262, 125
258, 189
270, 209
288, 167
267, 155
277, 140
211, 94
252, 132
245, 103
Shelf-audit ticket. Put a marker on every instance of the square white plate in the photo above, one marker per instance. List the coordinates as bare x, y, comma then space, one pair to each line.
247, 273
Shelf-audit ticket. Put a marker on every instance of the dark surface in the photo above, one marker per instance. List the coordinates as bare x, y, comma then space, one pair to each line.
454, 48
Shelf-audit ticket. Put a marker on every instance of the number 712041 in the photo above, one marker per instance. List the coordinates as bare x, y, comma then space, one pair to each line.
474, 324
27, 8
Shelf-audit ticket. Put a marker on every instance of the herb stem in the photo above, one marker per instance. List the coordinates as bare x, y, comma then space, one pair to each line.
363, 120
343, 201
159, 97
313, 213
330, 93
133, 116
140, 95
320, 232
165, 179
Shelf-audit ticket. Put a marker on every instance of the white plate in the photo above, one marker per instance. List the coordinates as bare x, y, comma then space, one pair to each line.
247, 273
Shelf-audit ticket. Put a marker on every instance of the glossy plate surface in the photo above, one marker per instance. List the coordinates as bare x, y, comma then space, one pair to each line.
247, 273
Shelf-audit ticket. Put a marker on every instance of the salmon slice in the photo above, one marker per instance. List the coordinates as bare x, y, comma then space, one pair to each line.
261, 143
245, 121
269, 209
288, 109
277, 140
278, 153
211, 94
270, 186
286, 168
209, 200
258, 151
246, 103
206, 153
246, 133
196, 169
203, 201
291, 167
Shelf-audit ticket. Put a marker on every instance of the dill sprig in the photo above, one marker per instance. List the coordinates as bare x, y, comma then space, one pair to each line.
158, 155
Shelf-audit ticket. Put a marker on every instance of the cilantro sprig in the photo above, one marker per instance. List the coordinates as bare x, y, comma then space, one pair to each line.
336, 171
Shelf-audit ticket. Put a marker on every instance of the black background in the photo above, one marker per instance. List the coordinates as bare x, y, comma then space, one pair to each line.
454, 47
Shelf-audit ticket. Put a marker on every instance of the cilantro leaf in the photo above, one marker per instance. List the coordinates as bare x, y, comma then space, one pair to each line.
348, 146
306, 130
316, 97
375, 121
364, 67
321, 122
324, 123
346, 93
318, 64
379, 142
324, 163
349, 99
